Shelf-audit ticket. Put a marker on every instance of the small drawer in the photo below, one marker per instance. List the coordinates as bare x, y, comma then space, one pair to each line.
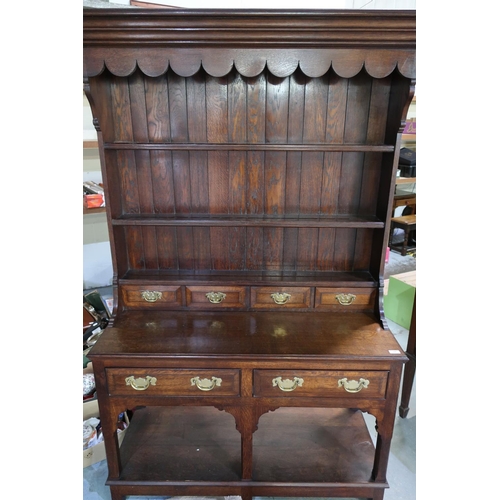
151, 297
216, 297
320, 383
172, 382
342, 299
268, 297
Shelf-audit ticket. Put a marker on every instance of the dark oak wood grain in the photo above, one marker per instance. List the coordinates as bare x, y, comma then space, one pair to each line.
248, 334
248, 159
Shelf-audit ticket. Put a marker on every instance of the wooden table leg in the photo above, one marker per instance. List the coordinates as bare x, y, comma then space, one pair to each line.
378, 495
410, 367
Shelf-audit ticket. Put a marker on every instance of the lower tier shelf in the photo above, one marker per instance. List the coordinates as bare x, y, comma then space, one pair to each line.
250, 277
181, 446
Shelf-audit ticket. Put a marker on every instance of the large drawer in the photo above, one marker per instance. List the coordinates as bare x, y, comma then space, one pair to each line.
268, 297
320, 383
151, 297
172, 382
346, 300
216, 297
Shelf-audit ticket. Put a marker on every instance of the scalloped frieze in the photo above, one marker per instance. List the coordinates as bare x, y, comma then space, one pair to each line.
249, 63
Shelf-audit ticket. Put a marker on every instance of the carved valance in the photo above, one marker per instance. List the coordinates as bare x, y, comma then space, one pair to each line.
154, 40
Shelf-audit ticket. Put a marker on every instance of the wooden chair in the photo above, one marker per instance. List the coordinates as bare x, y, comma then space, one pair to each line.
407, 223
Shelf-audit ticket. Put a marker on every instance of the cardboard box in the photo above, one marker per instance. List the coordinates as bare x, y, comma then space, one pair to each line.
97, 453
398, 300
91, 409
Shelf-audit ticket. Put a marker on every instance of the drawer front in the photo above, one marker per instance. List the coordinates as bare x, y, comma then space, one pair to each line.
151, 297
172, 382
342, 299
268, 297
216, 297
320, 383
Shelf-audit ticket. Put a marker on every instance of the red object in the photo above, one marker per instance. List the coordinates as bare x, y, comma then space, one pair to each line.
94, 200
89, 396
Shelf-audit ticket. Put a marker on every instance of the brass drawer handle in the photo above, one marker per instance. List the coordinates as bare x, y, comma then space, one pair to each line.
353, 385
280, 298
345, 299
140, 384
205, 384
288, 385
151, 296
216, 297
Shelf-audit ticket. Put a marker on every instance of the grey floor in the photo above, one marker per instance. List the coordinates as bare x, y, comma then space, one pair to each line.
401, 473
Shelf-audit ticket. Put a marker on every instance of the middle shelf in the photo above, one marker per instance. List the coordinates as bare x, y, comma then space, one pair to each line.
249, 220
251, 147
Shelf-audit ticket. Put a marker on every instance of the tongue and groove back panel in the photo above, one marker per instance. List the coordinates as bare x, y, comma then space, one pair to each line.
186, 153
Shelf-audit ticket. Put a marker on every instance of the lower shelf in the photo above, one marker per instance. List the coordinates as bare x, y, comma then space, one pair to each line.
313, 445
181, 444
291, 445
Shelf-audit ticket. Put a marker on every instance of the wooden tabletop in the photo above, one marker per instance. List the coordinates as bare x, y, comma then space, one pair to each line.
247, 334
406, 219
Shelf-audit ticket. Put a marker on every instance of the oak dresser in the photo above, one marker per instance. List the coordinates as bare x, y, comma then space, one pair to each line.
249, 162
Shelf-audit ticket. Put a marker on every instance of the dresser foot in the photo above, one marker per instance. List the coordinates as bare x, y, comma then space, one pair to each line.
403, 412
378, 495
115, 495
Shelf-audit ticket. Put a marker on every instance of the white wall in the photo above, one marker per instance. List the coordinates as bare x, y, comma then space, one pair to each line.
97, 267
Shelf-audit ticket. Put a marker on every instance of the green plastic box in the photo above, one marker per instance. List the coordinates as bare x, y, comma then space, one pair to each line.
398, 303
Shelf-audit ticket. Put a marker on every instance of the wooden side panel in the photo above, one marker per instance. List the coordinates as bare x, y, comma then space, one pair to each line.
102, 109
